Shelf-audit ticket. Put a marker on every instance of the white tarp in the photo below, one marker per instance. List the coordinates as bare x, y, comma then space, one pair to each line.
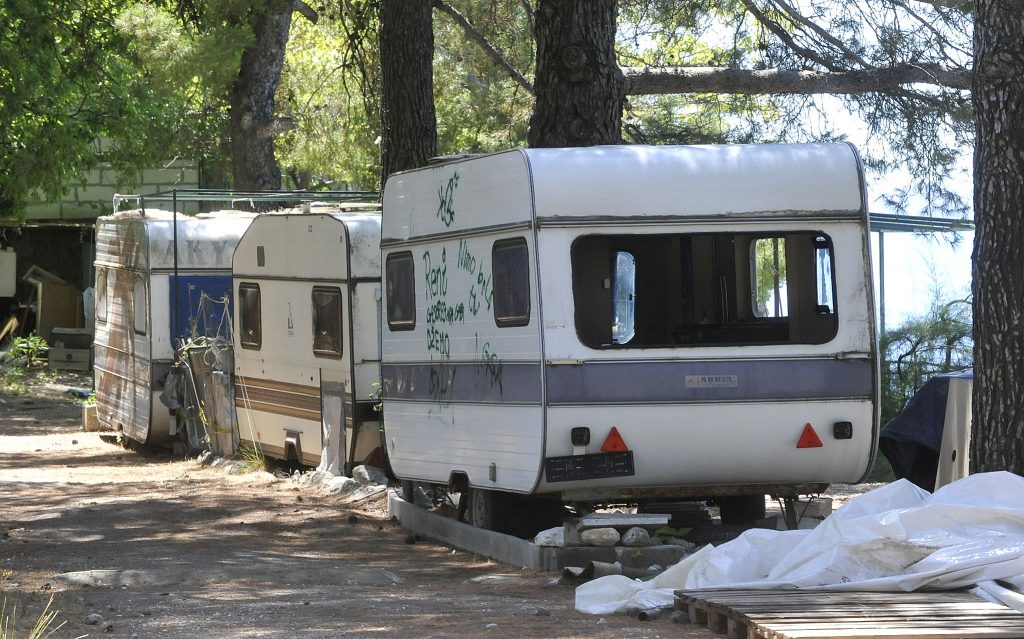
895, 538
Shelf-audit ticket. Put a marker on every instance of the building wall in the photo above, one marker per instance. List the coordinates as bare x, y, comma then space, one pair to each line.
94, 197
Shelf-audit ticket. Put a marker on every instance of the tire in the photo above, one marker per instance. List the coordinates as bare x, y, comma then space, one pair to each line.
488, 509
741, 509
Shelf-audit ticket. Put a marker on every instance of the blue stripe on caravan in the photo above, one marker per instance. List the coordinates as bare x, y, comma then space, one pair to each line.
632, 382
709, 381
477, 382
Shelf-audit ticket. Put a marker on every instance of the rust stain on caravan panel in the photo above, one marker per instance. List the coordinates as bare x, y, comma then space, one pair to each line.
119, 380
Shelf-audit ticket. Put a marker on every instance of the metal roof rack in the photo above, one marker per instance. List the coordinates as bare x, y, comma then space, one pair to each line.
887, 222
250, 198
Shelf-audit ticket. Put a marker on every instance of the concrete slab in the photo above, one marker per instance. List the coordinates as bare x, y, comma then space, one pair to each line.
500, 547
522, 553
621, 520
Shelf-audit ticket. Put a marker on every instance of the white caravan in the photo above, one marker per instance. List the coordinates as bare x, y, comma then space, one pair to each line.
151, 273
306, 337
627, 324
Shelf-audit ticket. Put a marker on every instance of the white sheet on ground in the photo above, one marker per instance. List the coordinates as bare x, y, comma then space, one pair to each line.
894, 538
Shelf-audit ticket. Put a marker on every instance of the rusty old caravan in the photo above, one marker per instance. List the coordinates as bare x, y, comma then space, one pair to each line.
152, 269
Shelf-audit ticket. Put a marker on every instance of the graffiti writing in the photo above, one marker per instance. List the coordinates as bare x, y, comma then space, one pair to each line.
439, 342
446, 201
489, 362
467, 261
441, 312
437, 276
442, 378
483, 280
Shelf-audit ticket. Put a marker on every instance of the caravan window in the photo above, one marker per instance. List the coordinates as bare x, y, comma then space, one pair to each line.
326, 321
101, 295
400, 274
707, 289
250, 321
623, 298
511, 260
139, 306
825, 282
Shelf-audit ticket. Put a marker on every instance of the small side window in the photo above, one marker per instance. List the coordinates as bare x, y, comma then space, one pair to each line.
101, 295
624, 298
140, 309
250, 321
326, 321
400, 275
768, 272
511, 259
824, 281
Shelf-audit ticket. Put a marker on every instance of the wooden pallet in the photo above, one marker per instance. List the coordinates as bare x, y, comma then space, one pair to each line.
820, 614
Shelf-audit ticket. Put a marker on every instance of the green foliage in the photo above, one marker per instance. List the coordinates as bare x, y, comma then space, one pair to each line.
69, 77
333, 144
30, 347
479, 107
939, 341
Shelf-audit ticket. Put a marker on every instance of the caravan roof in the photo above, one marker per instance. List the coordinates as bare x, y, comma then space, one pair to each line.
645, 183
203, 242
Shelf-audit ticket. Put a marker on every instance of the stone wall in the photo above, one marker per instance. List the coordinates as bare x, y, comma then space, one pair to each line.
94, 197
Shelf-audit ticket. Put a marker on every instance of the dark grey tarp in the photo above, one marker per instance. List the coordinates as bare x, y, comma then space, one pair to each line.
912, 440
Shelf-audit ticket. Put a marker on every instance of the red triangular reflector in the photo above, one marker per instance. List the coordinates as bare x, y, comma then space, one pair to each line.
613, 443
809, 438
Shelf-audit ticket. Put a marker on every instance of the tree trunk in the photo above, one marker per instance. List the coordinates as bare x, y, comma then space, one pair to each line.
997, 441
252, 124
408, 122
580, 88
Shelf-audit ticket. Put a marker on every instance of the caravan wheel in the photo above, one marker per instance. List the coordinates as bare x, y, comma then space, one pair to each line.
487, 509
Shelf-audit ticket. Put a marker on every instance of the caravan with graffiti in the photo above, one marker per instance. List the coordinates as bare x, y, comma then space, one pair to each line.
629, 324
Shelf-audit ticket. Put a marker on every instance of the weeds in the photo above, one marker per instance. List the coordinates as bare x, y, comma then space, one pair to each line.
30, 348
252, 459
41, 629
21, 367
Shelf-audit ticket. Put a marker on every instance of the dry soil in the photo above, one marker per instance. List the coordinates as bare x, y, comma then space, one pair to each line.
159, 546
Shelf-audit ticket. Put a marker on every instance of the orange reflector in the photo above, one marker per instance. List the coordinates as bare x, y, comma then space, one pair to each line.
613, 443
809, 438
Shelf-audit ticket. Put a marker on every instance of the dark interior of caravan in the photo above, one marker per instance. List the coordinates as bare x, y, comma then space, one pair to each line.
710, 289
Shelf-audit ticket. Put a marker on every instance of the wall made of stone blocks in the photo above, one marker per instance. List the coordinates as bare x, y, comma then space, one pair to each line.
94, 197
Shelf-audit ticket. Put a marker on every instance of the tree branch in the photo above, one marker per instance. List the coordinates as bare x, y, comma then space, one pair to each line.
307, 11
800, 19
484, 43
530, 18
672, 80
783, 35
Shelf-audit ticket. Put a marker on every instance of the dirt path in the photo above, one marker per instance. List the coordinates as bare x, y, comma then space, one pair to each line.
176, 549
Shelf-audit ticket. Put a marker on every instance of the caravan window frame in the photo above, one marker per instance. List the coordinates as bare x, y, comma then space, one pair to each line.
245, 289
137, 279
399, 317
318, 328
699, 289
511, 289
